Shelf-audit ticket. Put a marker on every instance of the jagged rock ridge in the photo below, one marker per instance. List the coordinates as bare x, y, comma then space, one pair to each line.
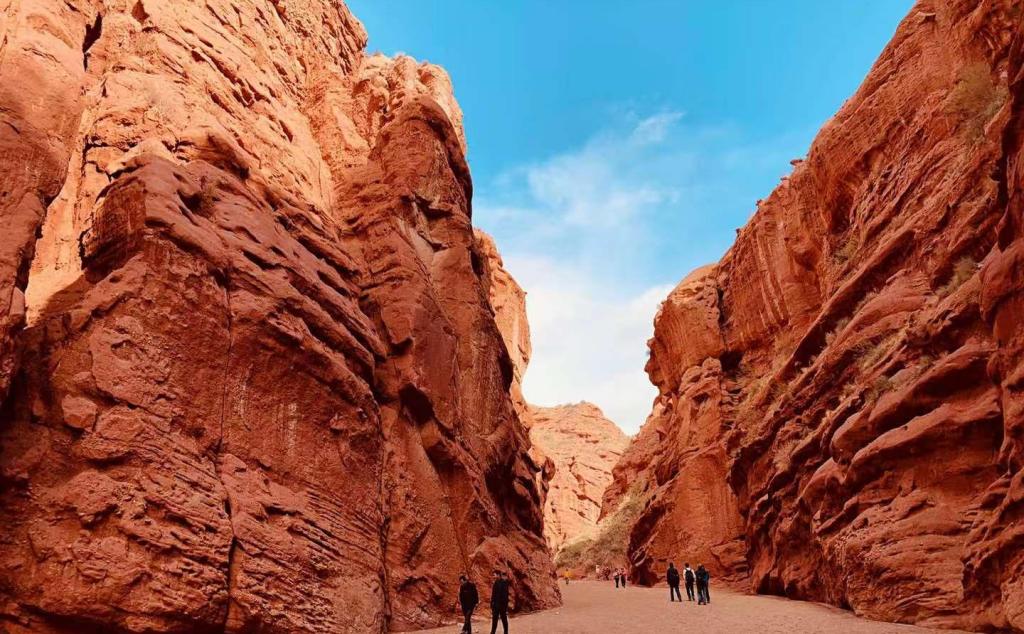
257, 383
845, 385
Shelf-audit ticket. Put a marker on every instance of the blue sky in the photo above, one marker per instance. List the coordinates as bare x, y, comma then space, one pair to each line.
615, 146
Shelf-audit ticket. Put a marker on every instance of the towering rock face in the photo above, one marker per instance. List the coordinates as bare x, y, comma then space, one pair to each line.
584, 446
508, 301
573, 447
678, 463
260, 386
840, 413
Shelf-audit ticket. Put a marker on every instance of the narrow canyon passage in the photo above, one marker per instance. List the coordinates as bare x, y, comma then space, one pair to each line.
261, 371
597, 606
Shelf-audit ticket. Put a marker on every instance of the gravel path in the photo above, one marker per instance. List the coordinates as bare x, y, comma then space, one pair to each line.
595, 607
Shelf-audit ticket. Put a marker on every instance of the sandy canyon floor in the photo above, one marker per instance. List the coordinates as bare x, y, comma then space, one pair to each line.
592, 606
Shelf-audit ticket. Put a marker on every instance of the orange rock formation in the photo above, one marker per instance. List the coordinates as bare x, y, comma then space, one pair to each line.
584, 446
574, 446
841, 415
260, 386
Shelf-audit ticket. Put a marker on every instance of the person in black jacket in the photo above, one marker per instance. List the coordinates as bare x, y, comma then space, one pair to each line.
468, 599
690, 578
499, 602
703, 581
673, 583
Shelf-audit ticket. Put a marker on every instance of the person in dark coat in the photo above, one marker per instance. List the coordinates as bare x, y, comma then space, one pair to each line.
616, 575
690, 579
499, 602
622, 577
672, 576
703, 581
468, 599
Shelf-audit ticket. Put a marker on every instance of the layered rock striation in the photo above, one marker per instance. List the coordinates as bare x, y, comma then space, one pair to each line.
839, 415
254, 379
583, 446
678, 463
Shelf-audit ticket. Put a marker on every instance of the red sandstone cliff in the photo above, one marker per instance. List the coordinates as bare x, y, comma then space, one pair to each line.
583, 446
573, 446
260, 387
508, 300
840, 414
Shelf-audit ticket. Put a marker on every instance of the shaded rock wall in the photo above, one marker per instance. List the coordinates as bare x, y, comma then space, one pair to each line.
261, 386
584, 446
573, 447
839, 416
508, 302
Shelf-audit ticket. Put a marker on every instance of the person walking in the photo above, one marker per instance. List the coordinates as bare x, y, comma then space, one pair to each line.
468, 599
622, 573
499, 602
703, 580
690, 579
616, 575
673, 583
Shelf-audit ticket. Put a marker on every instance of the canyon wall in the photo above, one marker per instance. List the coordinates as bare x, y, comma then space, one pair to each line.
840, 413
584, 446
254, 380
574, 447
677, 464
508, 301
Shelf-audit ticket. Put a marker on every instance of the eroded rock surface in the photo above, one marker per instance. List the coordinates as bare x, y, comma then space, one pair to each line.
261, 386
584, 446
508, 300
840, 415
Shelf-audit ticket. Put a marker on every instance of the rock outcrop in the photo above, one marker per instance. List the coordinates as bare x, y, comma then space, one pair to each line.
508, 301
840, 414
584, 446
260, 386
678, 462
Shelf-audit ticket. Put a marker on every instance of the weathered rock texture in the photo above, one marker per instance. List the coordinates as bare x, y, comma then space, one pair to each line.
508, 300
261, 387
584, 446
678, 462
841, 413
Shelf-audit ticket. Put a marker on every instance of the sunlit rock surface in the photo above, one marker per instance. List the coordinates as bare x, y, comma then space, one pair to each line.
257, 383
584, 446
840, 415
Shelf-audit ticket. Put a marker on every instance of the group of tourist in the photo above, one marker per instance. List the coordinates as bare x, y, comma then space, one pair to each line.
469, 598
700, 578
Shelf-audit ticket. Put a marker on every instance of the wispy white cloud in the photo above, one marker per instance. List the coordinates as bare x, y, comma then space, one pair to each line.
598, 235
589, 339
597, 185
653, 129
